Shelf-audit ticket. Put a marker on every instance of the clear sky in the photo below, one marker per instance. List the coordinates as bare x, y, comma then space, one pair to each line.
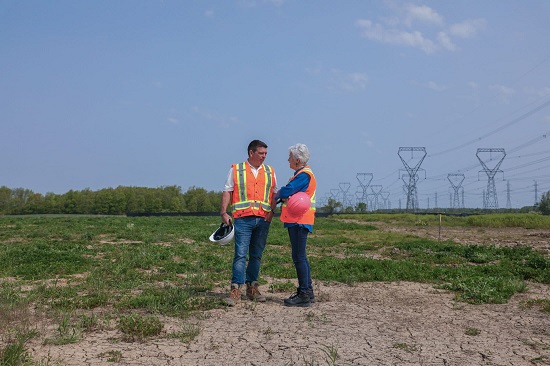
97, 94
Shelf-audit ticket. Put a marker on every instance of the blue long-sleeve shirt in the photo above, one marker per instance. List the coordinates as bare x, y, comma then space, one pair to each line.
299, 184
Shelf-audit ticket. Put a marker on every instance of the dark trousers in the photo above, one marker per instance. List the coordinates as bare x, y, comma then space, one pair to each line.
298, 241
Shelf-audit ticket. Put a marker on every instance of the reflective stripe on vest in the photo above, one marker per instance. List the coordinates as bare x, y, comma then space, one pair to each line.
313, 201
241, 181
268, 184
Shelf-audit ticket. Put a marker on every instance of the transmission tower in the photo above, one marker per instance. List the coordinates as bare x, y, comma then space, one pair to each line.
407, 184
360, 197
364, 181
412, 166
536, 193
385, 196
334, 193
376, 189
508, 201
495, 156
456, 182
405, 178
370, 199
344, 188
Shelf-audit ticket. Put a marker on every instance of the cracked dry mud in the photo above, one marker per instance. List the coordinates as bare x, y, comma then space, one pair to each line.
368, 324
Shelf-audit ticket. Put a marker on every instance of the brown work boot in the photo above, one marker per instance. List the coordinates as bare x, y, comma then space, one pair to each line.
253, 292
234, 295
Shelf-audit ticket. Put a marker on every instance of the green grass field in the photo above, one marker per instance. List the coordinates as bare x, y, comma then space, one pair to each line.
138, 268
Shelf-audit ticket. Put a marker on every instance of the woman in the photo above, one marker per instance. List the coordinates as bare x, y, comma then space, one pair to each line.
303, 180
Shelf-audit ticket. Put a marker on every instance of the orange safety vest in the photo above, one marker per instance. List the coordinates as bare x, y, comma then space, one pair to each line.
309, 217
252, 196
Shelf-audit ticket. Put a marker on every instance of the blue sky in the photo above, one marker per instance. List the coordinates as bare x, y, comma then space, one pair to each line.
97, 94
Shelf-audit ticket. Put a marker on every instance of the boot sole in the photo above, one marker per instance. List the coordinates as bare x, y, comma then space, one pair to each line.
301, 305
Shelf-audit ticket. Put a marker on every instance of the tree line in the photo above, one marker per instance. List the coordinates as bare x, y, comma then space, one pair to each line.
122, 200
109, 201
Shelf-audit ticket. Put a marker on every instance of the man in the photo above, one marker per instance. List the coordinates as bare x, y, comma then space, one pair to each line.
250, 188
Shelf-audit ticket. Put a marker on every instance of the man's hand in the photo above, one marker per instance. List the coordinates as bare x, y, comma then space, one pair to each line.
226, 219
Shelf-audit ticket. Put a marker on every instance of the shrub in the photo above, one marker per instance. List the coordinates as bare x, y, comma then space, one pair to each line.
544, 204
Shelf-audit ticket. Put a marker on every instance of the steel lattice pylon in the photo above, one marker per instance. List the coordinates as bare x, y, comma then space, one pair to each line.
456, 181
385, 197
344, 188
376, 189
407, 190
508, 200
412, 167
364, 181
495, 155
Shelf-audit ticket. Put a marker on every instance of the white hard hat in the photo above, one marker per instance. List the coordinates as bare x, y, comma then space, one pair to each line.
223, 235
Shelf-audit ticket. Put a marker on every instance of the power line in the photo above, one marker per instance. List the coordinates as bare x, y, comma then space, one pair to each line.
512, 122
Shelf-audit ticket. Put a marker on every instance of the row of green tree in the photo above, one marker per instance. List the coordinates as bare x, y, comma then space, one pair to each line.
109, 201
123, 200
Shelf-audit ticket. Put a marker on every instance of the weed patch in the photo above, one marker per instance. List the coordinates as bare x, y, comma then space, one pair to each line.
137, 327
542, 304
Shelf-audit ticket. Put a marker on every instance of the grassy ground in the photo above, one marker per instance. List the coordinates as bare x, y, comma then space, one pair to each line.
138, 269
528, 221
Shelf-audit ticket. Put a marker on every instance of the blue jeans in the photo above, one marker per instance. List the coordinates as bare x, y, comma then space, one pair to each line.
250, 238
298, 241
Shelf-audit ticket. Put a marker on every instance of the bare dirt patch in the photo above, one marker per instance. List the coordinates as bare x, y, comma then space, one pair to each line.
535, 238
368, 324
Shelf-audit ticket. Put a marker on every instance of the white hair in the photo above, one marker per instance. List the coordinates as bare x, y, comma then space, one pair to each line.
300, 152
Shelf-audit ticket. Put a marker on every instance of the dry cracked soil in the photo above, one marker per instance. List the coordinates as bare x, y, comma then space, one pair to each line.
366, 324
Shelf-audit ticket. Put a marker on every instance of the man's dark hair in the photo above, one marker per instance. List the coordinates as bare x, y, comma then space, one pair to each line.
255, 144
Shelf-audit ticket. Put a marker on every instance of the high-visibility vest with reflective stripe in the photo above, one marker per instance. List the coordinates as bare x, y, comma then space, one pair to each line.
309, 217
252, 195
